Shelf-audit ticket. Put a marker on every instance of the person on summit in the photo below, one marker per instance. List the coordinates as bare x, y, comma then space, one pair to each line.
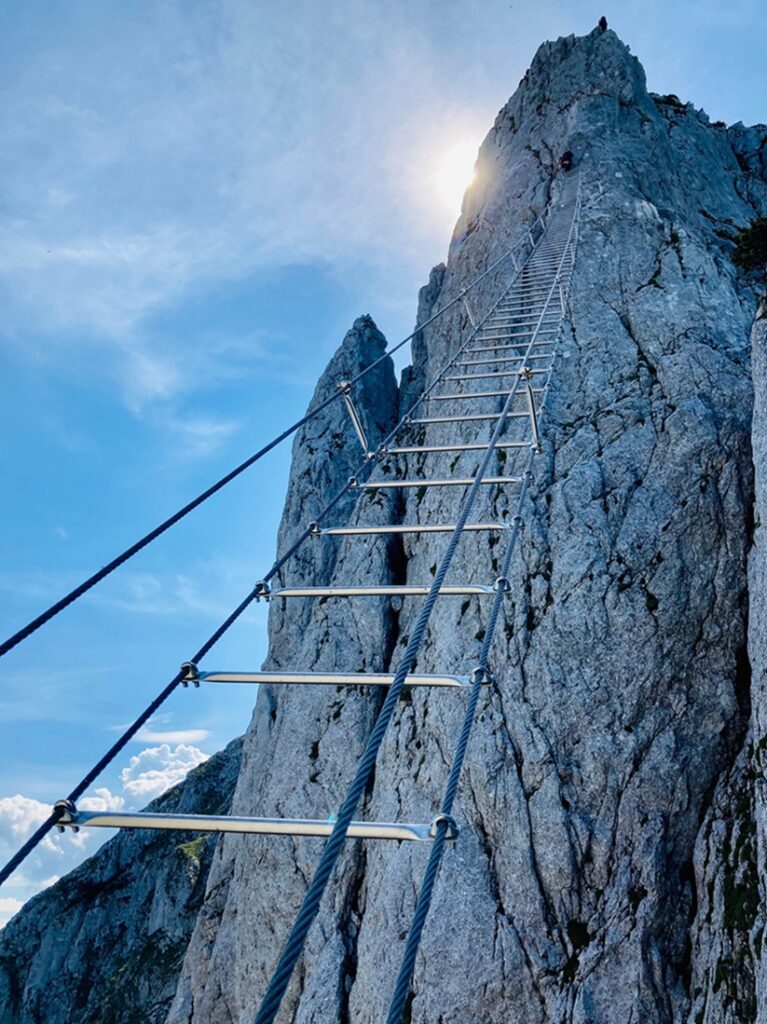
603, 24
566, 160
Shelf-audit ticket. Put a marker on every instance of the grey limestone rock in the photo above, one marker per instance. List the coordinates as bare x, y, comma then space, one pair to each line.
611, 808
621, 701
758, 653
105, 944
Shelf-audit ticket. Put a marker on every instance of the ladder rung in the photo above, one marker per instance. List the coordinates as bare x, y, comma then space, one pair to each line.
521, 303
429, 449
528, 295
487, 376
502, 325
524, 334
393, 590
480, 394
522, 345
470, 418
259, 826
528, 322
332, 679
529, 315
518, 358
373, 485
353, 531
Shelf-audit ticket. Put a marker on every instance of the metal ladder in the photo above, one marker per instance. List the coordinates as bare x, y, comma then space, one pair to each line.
514, 346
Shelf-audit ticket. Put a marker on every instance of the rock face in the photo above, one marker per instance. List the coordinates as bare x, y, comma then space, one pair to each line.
607, 868
105, 944
755, 911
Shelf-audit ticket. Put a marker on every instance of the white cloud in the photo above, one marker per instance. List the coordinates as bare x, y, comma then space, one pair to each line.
156, 769
103, 800
20, 815
173, 736
8, 907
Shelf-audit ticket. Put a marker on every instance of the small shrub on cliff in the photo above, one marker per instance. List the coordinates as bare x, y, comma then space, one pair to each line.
751, 248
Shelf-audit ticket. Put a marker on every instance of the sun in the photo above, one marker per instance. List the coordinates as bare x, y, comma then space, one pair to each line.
455, 172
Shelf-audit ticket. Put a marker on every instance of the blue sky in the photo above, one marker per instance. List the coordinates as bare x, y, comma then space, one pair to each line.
197, 200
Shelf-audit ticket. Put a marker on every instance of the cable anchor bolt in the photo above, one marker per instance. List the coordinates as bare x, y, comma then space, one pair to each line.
314, 529
452, 828
526, 375
345, 387
67, 815
261, 591
486, 676
191, 674
502, 584
469, 313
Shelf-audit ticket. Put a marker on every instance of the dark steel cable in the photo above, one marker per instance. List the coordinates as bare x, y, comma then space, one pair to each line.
58, 606
482, 672
310, 906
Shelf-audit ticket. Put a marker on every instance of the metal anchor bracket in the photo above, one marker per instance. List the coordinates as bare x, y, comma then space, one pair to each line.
526, 375
191, 674
484, 674
262, 591
452, 828
345, 387
66, 817
469, 313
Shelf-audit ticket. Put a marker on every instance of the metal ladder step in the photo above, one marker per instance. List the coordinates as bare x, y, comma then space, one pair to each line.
496, 373
469, 418
392, 590
429, 449
481, 394
375, 485
523, 346
328, 679
500, 323
353, 531
519, 358
535, 296
533, 318
418, 833
523, 334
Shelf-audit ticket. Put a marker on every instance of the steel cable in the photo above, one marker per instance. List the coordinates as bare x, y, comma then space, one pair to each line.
310, 906
365, 466
58, 606
404, 979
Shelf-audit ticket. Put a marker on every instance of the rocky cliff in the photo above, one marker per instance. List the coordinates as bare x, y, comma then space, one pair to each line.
105, 944
612, 808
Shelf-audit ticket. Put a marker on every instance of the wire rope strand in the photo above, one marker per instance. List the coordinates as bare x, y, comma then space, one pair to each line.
82, 588
310, 906
364, 466
423, 904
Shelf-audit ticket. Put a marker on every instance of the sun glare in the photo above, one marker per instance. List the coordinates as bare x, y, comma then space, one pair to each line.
455, 173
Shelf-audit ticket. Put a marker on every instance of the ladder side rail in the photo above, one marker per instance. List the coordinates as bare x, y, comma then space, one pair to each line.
91, 581
255, 594
482, 672
294, 944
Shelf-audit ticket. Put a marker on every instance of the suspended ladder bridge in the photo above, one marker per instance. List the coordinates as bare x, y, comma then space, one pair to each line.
496, 383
